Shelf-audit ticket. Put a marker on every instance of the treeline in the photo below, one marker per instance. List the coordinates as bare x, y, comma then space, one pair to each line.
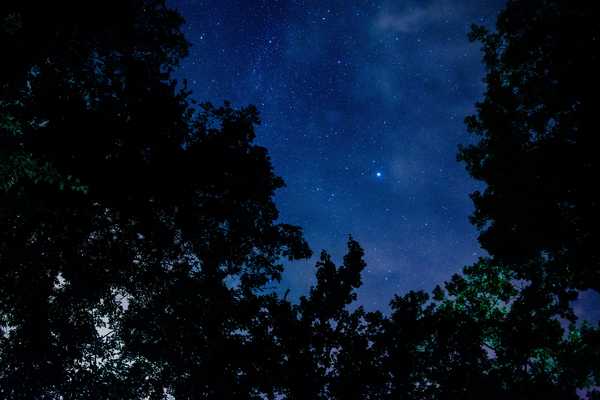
138, 228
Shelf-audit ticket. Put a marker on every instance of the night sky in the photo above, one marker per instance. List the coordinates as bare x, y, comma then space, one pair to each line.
362, 105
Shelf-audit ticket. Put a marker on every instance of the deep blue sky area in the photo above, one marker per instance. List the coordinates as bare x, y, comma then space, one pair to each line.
362, 105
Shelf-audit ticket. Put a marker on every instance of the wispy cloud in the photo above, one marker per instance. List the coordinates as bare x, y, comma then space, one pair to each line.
414, 18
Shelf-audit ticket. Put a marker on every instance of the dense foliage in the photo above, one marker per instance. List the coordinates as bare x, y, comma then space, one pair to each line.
124, 214
138, 231
537, 141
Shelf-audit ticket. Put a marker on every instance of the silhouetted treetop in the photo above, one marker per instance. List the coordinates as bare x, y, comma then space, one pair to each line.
537, 141
84, 57
139, 238
136, 229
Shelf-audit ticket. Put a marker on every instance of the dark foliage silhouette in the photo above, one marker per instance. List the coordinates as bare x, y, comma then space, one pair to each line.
138, 232
537, 141
124, 214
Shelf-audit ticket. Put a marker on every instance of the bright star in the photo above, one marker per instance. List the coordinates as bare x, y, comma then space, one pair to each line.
378, 174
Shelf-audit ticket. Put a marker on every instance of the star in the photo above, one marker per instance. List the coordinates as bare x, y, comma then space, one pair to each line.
323, 115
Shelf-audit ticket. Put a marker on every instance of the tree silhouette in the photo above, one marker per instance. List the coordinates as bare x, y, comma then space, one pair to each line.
323, 345
484, 334
138, 229
135, 232
190, 313
503, 341
536, 142
537, 215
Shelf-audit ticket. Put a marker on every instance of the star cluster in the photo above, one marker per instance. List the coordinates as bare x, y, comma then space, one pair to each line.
362, 105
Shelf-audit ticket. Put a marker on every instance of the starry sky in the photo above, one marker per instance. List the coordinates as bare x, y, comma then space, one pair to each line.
362, 104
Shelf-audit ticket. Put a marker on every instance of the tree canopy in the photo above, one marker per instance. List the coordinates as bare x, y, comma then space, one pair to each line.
139, 233
124, 212
536, 149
